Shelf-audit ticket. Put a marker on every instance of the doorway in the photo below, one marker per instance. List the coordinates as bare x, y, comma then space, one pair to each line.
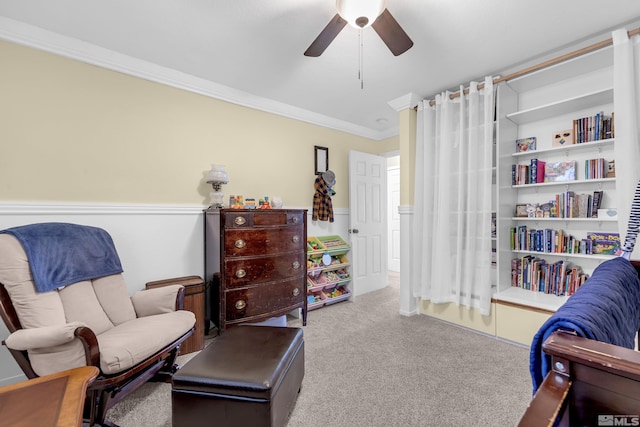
393, 216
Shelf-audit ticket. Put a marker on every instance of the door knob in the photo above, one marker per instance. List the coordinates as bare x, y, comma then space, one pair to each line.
353, 231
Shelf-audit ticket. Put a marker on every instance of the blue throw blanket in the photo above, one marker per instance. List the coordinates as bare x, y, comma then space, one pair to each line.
61, 254
605, 308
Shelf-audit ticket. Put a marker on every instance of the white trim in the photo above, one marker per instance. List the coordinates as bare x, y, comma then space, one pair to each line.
21, 33
64, 208
405, 102
408, 303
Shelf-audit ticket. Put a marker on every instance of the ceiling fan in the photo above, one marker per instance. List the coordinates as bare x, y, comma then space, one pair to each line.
362, 14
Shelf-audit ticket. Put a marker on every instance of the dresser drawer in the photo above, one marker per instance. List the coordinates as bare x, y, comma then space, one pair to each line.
264, 241
263, 299
251, 270
262, 218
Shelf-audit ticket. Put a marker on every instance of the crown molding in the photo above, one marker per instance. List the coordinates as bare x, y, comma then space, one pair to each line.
38, 38
405, 102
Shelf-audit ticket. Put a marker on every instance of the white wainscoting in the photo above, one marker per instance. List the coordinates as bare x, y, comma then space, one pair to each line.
153, 241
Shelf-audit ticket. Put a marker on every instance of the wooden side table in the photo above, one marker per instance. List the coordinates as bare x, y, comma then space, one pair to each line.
55, 400
193, 302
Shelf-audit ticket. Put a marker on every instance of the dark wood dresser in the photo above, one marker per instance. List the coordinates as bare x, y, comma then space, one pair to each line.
255, 264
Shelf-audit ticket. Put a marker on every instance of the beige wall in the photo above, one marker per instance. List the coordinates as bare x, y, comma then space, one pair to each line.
75, 132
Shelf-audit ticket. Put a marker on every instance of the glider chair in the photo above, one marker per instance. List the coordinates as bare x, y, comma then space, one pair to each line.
65, 305
584, 368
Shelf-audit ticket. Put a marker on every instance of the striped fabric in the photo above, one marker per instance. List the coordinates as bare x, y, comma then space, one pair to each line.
633, 225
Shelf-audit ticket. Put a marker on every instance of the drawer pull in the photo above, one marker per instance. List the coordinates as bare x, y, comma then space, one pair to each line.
240, 304
295, 239
240, 220
294, 219
240, 243
296, 292
241, 273
295, 265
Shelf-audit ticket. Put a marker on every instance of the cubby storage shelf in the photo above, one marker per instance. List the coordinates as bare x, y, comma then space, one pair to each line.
327, 268
338, 249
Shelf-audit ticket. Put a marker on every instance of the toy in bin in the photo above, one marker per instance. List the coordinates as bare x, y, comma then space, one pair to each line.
337, 292
313, 245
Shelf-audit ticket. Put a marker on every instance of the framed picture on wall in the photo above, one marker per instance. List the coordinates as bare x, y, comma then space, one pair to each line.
321, 159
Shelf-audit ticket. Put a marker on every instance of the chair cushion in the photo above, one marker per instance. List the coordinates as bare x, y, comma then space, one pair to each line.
114, 298
48, 336
50, 360
122, 348
155, 301
34, 309
81, 305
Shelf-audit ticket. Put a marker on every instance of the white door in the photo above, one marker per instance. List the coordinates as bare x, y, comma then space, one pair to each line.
393, 202
368, 221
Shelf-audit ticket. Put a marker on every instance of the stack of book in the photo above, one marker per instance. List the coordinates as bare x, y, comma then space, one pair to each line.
535, 274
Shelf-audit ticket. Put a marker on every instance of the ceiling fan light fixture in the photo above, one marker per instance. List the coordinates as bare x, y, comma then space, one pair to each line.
360, 13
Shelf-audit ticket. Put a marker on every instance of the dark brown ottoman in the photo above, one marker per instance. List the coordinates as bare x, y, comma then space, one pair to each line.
249, 376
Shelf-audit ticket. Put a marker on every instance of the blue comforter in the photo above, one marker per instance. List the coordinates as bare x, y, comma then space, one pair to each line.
605, 308
61, 254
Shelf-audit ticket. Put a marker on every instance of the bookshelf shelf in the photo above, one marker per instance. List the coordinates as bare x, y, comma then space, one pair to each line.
568, 149
533, 299
566, 183
595, 220
588, 100
565, 255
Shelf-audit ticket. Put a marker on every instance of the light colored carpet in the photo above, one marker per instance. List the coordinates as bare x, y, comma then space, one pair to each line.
366, 365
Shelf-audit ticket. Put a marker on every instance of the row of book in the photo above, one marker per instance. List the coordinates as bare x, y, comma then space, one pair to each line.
539, 171
572, 205
564, 205
593, 128
548, 240
535, 274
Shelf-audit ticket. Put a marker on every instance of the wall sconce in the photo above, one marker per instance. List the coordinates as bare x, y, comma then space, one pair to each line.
216, 177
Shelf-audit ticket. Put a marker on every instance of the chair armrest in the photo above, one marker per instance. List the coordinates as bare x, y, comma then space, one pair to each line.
549, 402
158, 300
90, 344
47, 336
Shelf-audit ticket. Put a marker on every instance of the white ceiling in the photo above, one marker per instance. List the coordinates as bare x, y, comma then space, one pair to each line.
252, 50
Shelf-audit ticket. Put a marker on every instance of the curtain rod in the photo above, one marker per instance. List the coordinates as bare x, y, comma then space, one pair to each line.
546, 64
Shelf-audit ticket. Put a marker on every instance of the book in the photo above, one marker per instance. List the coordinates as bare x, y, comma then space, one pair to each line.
605, 243
536, 171
562, 138
526, 144
596, 201
560, 171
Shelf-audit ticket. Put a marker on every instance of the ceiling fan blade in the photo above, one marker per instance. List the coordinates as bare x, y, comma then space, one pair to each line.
391, 33
327, 35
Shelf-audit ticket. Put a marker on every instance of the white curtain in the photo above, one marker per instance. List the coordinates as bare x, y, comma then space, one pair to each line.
626, 89
451, 257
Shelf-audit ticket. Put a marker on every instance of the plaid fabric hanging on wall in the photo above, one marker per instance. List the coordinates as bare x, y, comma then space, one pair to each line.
322, 206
